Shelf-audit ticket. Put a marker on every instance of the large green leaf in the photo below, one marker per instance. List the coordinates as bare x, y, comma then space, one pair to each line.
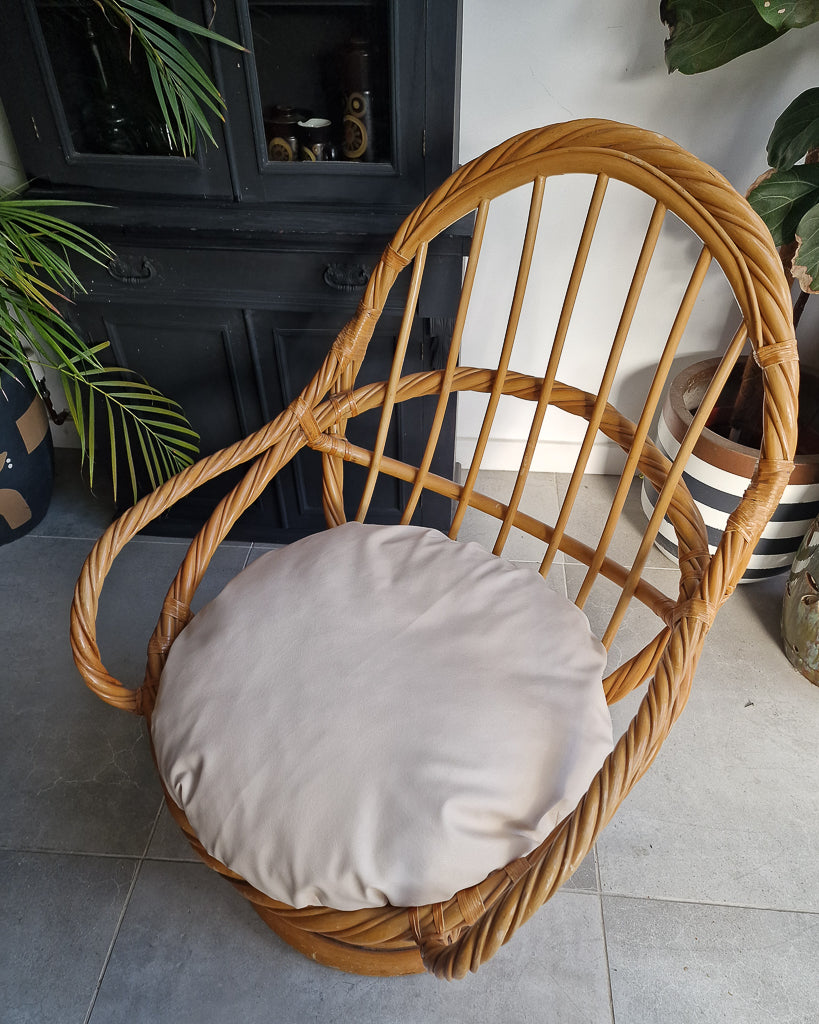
785, 14
795, 131
782, 198
704, 34
805, 265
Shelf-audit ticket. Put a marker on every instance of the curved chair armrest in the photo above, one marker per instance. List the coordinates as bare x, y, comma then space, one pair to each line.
346, 352
98, 563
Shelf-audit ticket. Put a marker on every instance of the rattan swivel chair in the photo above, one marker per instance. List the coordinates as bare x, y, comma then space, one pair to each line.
457, 935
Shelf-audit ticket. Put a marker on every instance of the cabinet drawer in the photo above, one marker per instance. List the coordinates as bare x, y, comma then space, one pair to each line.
325, 280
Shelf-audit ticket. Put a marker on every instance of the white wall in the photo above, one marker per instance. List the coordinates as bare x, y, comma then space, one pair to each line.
11, 171
527, 64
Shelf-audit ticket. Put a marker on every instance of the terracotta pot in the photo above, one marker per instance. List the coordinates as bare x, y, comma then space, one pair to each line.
719, 471
26, 457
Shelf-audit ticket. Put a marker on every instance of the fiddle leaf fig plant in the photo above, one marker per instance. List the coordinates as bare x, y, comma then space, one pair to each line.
139, 424
787, 197
703, 35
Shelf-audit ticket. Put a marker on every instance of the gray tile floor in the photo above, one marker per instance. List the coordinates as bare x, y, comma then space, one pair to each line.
701, 902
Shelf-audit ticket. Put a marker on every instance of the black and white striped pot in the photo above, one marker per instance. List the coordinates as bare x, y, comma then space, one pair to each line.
718, 473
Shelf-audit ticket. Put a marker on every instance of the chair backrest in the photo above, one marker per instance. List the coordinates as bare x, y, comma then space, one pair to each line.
712, 226
578, 371
618, 162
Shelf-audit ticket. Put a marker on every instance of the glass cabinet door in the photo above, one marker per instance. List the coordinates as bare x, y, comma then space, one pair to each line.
322, 74
103, 83
95, 120
334, 101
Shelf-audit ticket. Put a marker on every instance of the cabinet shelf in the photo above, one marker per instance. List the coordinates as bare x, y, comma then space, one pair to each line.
312, 3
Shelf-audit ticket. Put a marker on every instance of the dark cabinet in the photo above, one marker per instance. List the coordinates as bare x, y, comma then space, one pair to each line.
383, 73
236, 268
234, 367
81, 107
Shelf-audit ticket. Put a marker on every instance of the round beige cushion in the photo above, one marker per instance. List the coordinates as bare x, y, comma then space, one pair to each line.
378, 714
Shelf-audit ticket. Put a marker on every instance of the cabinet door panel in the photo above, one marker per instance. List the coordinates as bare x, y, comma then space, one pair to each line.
200, 358
233, 370
383, 73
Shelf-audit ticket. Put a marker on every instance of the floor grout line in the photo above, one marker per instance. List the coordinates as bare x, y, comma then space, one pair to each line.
679, 900
140, 858
601, 908
123, 912
51, 852
154, 827
114, 937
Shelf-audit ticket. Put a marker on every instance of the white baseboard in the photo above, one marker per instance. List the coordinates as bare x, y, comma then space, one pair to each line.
550, 456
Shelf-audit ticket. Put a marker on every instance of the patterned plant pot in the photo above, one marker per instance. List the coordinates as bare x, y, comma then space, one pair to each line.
719, 471
26, 457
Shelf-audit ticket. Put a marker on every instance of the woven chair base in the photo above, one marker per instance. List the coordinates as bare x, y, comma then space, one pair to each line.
390, 948
344, 956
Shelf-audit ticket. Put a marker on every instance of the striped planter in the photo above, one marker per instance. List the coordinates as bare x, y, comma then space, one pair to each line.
717, 474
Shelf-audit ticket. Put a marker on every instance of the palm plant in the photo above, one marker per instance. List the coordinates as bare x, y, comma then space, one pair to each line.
37, 247
704, 35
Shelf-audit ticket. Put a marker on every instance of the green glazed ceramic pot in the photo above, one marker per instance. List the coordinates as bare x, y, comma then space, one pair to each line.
800, 607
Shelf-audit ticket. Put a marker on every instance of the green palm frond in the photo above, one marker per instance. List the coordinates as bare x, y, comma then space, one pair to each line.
184, 91
103, 400
35, 247
136, 417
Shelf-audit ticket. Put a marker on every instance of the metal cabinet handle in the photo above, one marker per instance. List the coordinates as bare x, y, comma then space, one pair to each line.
131, 270
346, 277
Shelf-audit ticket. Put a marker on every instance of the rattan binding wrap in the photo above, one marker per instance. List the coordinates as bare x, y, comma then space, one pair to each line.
458, 936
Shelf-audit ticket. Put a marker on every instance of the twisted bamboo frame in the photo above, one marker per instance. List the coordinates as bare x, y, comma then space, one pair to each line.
459, 935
